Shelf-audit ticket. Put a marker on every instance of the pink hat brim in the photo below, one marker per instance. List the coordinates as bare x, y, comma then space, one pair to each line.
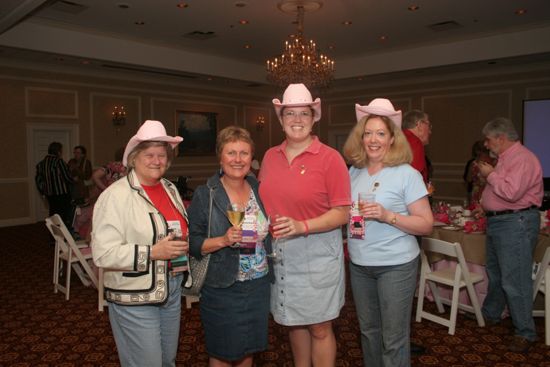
362, 111
315, 105
150, 130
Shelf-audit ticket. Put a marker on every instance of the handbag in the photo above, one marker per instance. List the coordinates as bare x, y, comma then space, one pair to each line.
198, 268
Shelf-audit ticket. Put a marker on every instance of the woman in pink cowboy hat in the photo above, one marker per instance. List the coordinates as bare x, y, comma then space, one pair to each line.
384, 259
138, 236
306, 191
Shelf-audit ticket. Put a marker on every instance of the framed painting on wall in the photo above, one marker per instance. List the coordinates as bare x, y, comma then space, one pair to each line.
199, 130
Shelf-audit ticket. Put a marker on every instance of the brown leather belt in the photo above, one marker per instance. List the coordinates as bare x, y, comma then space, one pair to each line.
492, 213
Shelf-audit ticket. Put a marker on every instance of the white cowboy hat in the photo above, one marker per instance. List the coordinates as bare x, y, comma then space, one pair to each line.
151, 130
380, 107
297, 95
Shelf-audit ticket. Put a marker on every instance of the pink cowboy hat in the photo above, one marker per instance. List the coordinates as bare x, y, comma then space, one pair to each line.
297, 95
151, 130
380, 107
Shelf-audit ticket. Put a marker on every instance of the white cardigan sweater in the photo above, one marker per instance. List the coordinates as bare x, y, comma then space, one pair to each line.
125, 226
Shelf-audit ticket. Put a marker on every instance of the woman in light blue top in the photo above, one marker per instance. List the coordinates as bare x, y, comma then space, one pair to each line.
384, 258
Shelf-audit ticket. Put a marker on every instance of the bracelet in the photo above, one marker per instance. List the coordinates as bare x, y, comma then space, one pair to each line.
307, 228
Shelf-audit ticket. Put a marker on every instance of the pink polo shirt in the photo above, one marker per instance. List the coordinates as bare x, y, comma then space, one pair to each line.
314, 182
516, 182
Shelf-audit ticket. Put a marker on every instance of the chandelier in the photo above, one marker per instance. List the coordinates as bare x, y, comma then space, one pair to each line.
301, 61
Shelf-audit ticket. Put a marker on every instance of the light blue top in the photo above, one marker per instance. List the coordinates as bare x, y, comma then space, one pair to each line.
395, 188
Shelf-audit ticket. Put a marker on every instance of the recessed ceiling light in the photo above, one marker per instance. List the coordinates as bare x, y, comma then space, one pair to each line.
85, 62
139, 22
247, 46
182, 5
413, 7
209, 79
383, 38
123, 5
243, 21
331, 47
360, 78
520, 11
347, 22
240, 4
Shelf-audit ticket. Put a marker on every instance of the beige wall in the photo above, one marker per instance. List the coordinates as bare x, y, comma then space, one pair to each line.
458, 105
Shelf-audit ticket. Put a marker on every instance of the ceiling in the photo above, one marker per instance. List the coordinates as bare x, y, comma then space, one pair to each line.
205, 38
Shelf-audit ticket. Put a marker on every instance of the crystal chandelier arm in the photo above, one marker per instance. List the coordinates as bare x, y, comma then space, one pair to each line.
301, 61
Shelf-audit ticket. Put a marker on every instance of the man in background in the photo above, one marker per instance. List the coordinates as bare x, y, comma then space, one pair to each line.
417, 128
54, 181
511, 199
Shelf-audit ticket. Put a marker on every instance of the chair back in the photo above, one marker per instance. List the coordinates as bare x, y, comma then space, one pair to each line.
449, 249
55, 225
544, 265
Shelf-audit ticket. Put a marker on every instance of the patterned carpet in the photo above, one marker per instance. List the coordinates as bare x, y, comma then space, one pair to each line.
40, 328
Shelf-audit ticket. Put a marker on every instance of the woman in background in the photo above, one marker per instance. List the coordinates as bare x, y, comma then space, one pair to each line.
81, 170
305, 183
104, 176
384, 263
475, 182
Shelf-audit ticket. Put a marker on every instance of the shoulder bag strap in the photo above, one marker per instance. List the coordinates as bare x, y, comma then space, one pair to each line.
210, 211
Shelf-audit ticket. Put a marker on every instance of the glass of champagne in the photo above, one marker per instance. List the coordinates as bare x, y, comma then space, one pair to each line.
235, 213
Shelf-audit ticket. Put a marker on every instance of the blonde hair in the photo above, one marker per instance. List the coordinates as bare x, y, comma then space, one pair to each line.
146, 145
354, 148
232, 134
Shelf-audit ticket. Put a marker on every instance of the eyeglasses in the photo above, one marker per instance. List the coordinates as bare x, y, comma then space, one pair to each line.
290, 115
427, 122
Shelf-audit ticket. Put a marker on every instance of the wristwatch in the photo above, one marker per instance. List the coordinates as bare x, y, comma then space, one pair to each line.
393, 221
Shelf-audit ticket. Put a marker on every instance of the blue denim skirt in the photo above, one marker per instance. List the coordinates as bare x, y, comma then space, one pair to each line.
235, 319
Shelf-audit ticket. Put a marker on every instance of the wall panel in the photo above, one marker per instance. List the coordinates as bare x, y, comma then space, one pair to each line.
51, 102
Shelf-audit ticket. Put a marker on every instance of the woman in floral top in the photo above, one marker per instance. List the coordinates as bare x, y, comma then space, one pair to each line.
235, 296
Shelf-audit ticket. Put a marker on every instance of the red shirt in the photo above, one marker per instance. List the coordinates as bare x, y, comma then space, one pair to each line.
164, 205
313, 183
419, 155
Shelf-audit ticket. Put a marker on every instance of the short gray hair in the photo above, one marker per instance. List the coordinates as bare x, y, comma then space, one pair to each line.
501, 126
411, 118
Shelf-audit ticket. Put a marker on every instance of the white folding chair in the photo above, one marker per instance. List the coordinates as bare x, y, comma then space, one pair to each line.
457, 278
189, 300
542, 285
75, 255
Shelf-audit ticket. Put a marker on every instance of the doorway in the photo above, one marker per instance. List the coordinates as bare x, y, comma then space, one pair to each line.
39, 136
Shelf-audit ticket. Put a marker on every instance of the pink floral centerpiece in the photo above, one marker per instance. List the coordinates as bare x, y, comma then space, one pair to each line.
478, 225
441, 212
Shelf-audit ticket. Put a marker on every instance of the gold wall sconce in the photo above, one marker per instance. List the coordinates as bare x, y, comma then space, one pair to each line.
119, 116
260, 123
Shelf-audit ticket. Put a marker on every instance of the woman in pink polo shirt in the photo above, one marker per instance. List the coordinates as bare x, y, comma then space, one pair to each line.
304, 184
